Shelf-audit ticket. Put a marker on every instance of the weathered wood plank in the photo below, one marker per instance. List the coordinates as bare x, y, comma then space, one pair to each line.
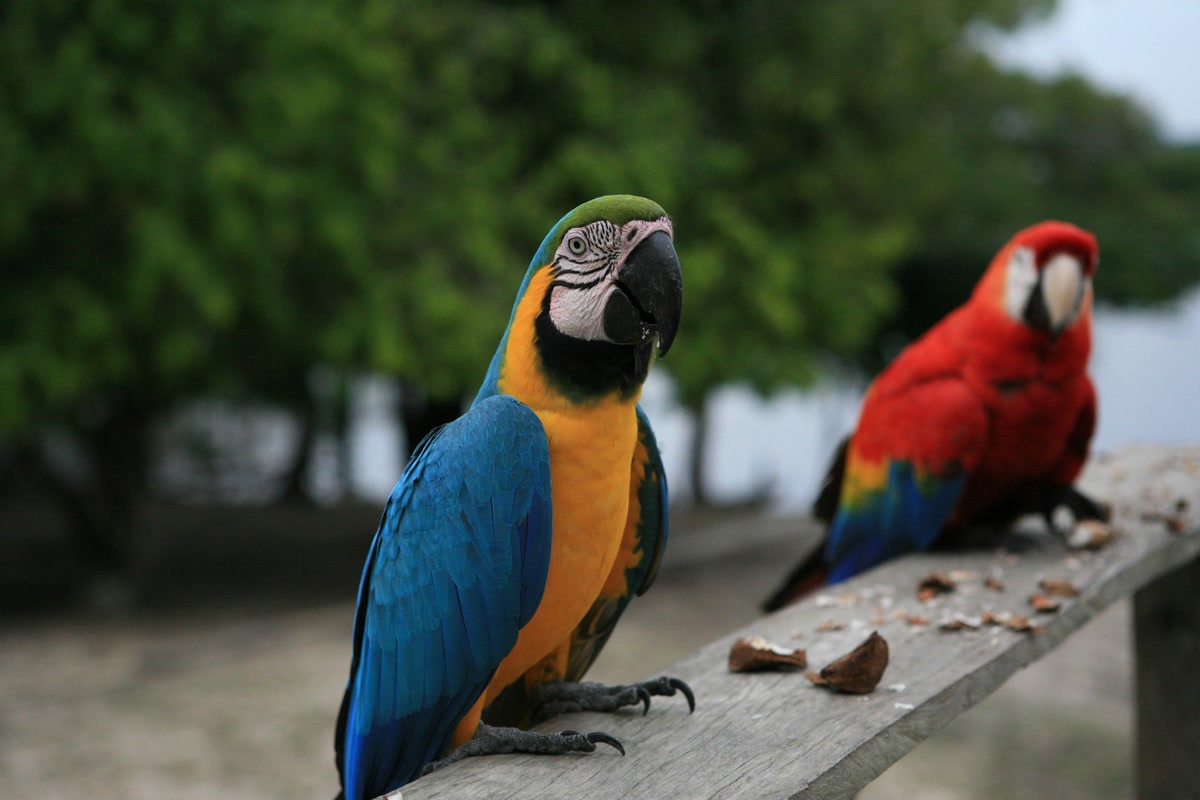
1167, 628
775, 736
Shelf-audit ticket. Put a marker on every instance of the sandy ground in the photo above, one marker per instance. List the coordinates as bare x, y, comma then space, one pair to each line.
234, 693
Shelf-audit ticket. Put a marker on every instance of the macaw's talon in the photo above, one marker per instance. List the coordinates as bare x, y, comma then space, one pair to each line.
596, 737
564, 697
666, 687
490, 741
644, 696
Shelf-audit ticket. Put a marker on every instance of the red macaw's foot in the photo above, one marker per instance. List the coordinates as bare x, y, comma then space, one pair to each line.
1082, 521
489, 741
564, 697
1076, 502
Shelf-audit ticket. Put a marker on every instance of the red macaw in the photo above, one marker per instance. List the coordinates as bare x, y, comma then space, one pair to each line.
987, 416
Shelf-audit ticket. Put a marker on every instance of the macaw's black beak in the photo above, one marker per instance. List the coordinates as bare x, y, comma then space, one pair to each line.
648, 297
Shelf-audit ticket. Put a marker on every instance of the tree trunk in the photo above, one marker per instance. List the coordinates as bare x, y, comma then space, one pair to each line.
102, 506
758, 498
295, 482
700, 496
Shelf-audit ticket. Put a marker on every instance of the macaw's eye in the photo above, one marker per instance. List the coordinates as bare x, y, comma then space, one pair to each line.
576, 245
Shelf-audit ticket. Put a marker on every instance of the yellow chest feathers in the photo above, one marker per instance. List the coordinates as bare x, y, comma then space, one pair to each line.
591, 456
591, 442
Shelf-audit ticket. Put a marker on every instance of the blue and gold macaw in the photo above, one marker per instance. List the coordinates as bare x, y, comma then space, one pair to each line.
518, 533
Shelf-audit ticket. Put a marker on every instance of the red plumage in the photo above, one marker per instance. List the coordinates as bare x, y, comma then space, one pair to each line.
997, 392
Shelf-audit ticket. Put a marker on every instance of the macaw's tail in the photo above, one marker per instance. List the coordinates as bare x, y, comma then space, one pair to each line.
809, 575
812, 573
825, 506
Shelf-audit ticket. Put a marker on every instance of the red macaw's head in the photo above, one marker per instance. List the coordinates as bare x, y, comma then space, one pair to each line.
1043, 277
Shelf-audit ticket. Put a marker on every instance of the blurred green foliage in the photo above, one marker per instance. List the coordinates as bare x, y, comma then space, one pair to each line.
216, 195
211, 197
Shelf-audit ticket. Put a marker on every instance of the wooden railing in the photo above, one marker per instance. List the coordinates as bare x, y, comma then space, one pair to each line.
774, 735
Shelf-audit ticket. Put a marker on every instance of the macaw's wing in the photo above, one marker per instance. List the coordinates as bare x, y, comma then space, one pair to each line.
457, 567
907, 466
642, 545
825, 506
1079, 442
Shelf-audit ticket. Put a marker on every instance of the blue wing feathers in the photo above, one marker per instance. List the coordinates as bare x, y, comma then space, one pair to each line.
653, 496
906, 515
457, 566
535, 559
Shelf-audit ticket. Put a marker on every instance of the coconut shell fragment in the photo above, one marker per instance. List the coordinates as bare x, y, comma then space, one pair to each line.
857, 672
932, 585
959, 621
1021, 624
1175, 523
1014, 622
756, 654
911, 619
1043, 604
1059, 587
1090, 534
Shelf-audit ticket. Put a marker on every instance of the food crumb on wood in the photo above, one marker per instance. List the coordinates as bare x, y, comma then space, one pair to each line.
1020, 623
911, 619
1043, 604
934, 584
1059, 587
1090, 534
959, 621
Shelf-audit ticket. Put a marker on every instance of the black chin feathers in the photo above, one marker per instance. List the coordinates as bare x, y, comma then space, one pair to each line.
585, 370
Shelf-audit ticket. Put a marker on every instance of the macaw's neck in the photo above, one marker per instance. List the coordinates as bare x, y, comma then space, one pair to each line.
1006, 348
587, 371
548, 370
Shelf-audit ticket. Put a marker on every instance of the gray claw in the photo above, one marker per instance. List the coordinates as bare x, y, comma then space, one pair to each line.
563, 697
597, 738
687, 692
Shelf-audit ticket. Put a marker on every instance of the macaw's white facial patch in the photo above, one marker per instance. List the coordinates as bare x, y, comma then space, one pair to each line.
1019, 283
586, 265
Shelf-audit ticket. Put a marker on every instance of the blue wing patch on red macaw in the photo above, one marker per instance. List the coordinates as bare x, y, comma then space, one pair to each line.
905, 514
457, 567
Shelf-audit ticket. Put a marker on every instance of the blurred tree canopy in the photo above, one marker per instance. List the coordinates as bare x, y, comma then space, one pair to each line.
213, 197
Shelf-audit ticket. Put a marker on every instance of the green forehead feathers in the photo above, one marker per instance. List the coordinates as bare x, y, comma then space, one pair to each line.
616, 208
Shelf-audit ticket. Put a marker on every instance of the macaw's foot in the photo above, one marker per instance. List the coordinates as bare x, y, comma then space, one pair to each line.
1069, 500
563, 697
1082, 521
489, 741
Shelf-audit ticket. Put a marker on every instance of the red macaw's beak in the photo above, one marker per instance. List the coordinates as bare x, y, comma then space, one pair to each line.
1058, 294
648, 298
